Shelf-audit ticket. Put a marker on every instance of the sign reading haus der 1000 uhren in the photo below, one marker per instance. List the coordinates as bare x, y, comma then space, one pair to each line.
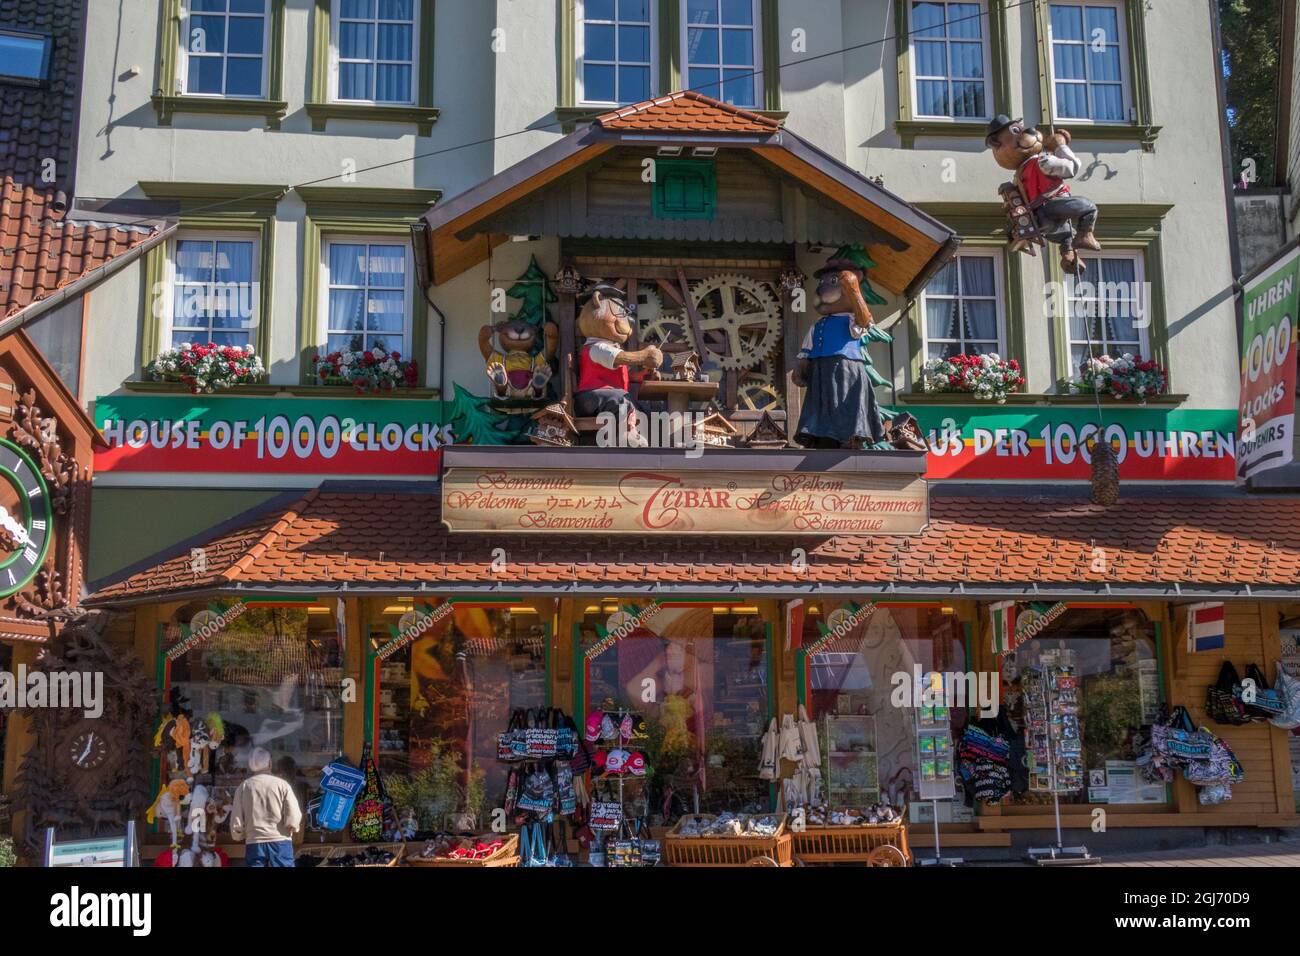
666, 502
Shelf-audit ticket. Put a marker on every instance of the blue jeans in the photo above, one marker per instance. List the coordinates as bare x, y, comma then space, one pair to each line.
271, 853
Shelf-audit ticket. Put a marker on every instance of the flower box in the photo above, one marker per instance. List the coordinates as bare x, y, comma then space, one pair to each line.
366, 371
1127, 378
207, 368
986, 377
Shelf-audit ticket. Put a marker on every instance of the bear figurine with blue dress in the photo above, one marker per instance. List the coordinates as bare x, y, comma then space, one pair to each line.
839, 406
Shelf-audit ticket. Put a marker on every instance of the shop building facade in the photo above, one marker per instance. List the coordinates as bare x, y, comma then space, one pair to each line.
335, 526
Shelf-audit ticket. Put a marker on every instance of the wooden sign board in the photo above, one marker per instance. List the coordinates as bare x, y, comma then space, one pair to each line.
684, 502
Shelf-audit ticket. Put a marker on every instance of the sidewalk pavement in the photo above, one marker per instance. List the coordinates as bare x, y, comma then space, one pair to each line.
1242, 854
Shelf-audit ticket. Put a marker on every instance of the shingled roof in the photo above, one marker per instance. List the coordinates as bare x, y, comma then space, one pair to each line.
41, 252
687, 112
392, 540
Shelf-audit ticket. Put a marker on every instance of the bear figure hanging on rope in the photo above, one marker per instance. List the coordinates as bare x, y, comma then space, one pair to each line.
1038, 201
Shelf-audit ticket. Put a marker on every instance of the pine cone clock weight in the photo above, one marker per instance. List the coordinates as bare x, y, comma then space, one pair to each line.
1105, 473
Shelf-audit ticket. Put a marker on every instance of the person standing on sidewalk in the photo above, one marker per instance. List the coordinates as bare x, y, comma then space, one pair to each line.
265, 815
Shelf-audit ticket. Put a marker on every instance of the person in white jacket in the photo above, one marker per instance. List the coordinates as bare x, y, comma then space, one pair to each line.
265, 815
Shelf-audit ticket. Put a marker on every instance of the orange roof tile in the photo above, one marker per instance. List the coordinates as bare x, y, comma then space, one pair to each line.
687, 112
40, 252
394, 539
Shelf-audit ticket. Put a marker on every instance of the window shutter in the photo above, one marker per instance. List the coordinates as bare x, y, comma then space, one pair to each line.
684, 189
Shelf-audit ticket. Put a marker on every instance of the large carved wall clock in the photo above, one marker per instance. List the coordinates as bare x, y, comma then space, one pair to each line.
26, 519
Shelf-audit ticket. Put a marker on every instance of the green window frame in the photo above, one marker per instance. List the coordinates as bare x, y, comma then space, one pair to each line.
375, 214
668, 27
685, 189
168, 100
1120, 228
907, 124
321, 106
211, 207
982, 227
1140, 128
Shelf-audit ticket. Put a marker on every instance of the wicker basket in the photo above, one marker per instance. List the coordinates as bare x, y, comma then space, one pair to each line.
850, 844
342, 850
506, 855
681, 850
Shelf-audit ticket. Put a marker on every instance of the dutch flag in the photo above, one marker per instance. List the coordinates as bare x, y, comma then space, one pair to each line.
1205, 627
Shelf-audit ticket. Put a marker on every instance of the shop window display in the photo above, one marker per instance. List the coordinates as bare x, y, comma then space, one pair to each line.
271, 678
698, 677
442, 700
868, 745
1107, 661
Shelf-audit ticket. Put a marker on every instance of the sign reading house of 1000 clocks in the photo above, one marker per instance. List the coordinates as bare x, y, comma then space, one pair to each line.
654, 502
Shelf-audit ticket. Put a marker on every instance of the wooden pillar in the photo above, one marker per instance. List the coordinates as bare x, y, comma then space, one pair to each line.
354, 659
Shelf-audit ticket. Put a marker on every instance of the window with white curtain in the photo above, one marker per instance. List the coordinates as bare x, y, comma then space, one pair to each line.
616, 51
374, 46
722, 50
223, 48
950, 59
963, 307
1108, 309
1089, 73
366, 295
213, 280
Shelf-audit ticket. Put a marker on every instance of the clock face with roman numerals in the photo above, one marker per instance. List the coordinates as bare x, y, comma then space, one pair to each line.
25, 519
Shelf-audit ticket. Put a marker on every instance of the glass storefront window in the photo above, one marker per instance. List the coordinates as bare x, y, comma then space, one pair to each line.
869, 749
273, 677
699, 676
441, 701
1113, 654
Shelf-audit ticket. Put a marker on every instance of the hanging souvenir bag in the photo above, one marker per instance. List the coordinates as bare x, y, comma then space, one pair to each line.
538, 791
1220, 704
1289, 719
1178, 739
512, 791
541, 736
566, 734
368, 816
533, 850
506, 740
1220, 767
1263, 703
606, 814
1215, 794
565, 794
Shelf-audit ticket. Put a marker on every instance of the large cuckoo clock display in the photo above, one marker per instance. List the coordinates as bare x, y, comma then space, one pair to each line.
25, 519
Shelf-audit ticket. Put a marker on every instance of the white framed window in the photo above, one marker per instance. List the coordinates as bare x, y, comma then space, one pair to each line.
1109, 306
722, 50
374, 55
213, 289
223, 48
616, 51
951, 59
366, 294
964, 307
1089, 58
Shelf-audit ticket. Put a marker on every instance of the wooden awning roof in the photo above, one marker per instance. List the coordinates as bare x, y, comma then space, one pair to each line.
907, 245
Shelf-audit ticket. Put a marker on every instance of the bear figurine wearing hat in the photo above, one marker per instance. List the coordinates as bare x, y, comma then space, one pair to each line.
839, 407
1041, 167
605, 368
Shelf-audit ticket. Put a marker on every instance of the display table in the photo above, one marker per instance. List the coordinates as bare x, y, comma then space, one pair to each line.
678, 395
681, 850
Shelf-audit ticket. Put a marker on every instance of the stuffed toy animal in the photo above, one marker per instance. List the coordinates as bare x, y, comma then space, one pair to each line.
515, 366
839, 407
170, 805
203, 740
1041, 166
604, 366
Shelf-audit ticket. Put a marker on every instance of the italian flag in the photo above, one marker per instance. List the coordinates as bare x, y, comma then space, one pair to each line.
1003, 617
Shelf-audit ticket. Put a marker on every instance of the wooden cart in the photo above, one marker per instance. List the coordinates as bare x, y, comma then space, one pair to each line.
679, 850
875, 844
